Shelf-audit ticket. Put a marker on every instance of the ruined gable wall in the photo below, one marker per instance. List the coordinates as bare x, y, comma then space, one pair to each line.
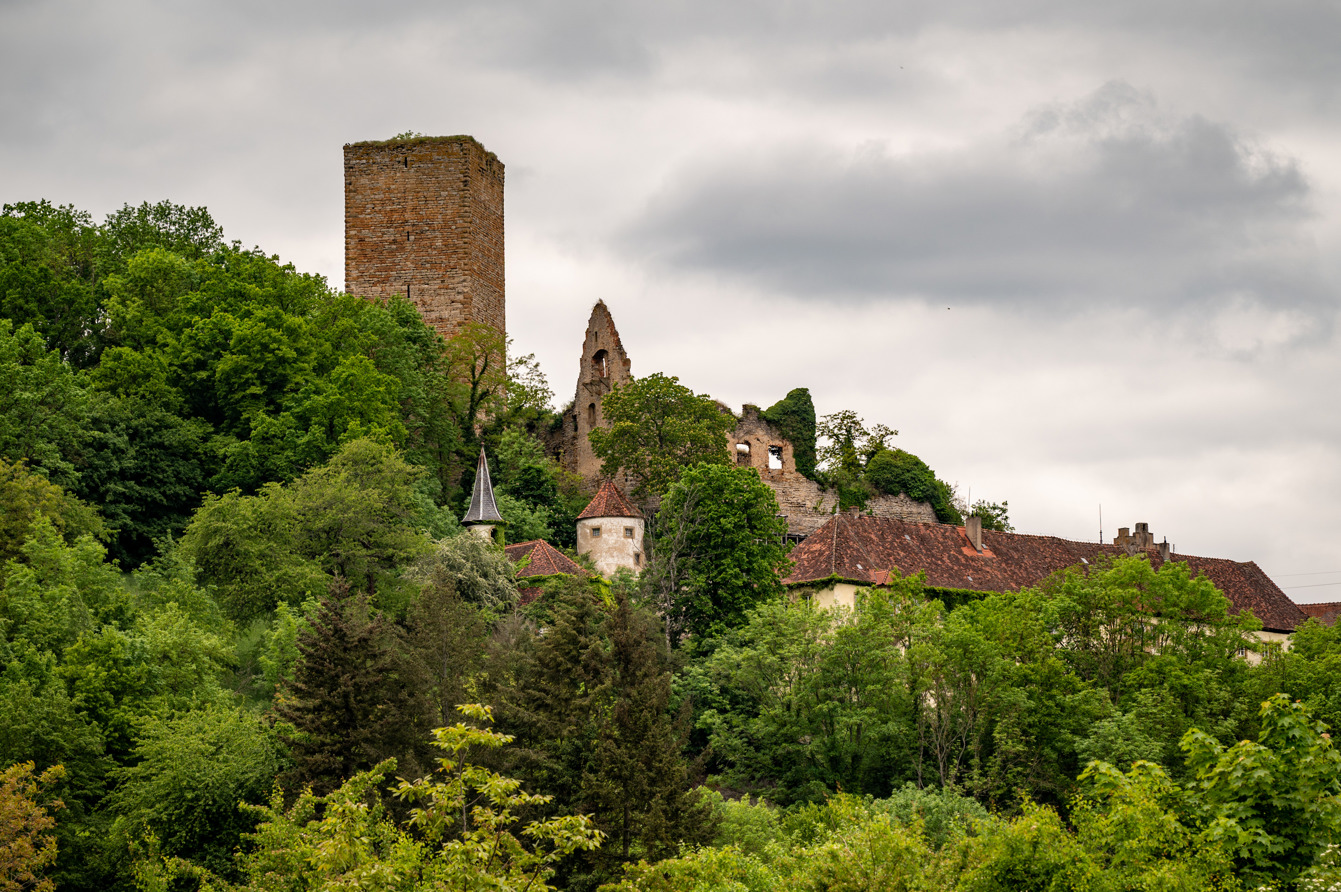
424, 218
602, 367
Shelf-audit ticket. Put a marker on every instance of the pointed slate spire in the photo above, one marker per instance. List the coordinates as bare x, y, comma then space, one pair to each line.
483, 509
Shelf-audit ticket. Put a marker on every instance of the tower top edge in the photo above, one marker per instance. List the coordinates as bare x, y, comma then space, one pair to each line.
422, 141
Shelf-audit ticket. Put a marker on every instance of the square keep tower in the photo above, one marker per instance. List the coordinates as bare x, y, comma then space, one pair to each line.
424, 219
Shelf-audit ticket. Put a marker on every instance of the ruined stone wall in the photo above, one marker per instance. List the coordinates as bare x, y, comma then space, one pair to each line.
424, 218
807, 505
757, 444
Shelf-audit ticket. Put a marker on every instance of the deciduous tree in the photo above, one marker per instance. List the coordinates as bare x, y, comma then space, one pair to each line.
26, 846
720, 549
657, 427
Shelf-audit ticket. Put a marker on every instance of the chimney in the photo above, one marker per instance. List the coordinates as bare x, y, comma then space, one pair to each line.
1143, 537
853, 511
1124, 533
1165, 552
973, 527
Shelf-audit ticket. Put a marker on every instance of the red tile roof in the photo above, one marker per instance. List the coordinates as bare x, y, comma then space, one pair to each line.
546, 560
609, 502
863, 549
1325, 613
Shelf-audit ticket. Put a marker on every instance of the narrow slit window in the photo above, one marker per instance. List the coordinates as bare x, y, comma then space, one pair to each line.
637, 559
591, 415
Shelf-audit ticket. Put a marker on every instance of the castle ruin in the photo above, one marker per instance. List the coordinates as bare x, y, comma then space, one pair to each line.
755, 443
424, 219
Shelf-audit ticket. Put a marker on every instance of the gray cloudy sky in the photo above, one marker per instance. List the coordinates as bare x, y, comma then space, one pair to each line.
1077, 253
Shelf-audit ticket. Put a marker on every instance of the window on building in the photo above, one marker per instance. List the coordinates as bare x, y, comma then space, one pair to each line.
637, 559
628, 532
743, 454
591, 415
598, 364
775, 458
595, 532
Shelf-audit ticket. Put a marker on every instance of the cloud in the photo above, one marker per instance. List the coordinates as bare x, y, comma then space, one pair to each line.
1106, 200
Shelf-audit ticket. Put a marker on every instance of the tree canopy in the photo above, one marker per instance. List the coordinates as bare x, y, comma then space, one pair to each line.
720, 549
656, 428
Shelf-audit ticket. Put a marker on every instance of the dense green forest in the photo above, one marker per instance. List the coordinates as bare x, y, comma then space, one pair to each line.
245, 643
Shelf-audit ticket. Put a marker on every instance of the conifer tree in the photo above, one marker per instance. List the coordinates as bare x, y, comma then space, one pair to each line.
637, 780
553, 706
348, 697
445, 639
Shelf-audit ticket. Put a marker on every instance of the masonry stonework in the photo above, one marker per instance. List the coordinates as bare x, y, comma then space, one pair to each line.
424, 219
612, 543
603, 367
757, 444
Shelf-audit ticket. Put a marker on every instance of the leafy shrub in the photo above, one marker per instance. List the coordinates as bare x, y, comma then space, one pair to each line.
895, 471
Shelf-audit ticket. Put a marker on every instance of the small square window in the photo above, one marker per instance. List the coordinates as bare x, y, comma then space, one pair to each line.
595, 532
628, 532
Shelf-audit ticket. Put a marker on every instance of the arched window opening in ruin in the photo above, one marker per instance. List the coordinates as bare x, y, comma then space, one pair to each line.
591, 415
775, 458
598, 364
743, 454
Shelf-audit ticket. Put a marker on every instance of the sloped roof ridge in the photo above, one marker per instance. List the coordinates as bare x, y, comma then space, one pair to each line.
545, 559
609, 502
857, 548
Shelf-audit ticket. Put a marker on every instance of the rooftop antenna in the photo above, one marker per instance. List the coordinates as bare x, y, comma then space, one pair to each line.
1101, 523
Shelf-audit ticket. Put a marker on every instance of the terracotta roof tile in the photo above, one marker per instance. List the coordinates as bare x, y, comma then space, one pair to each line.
863, 549
609, 502
1325, 613
546, 560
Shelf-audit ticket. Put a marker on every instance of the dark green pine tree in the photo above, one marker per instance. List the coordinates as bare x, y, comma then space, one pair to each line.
446, 639
553, 707
349, 698
637, 781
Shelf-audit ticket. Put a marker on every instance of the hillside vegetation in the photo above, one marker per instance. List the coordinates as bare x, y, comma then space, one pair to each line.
245, 643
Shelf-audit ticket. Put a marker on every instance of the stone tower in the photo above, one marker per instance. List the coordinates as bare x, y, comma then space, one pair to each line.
424, 218
603, 367
610, 530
